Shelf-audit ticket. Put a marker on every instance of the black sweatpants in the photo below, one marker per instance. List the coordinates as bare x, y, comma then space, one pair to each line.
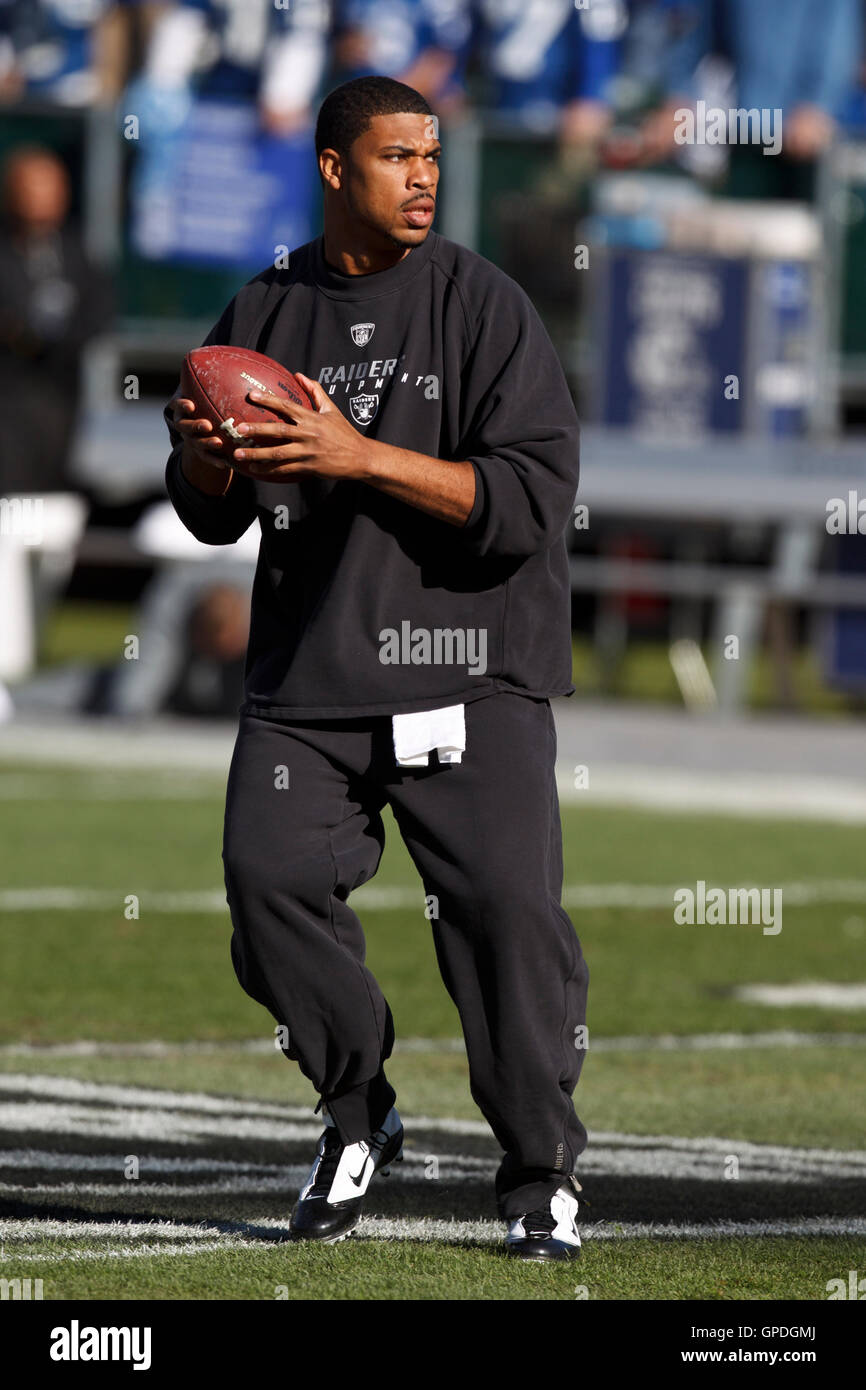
486, 839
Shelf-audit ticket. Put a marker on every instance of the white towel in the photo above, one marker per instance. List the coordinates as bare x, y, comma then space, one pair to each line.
416, 735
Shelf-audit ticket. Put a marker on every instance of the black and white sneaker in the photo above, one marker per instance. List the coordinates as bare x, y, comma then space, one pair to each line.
331, 1200
550, 1233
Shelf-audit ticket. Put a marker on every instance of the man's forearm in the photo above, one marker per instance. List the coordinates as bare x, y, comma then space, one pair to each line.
442, 488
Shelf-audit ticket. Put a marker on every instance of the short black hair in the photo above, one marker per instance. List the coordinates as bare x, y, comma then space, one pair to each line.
348, 110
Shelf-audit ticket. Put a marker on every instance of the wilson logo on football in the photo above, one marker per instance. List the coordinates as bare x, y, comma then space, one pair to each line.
363, 408
362, 333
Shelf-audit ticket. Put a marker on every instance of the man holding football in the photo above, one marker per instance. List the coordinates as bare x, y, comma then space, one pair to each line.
409, 626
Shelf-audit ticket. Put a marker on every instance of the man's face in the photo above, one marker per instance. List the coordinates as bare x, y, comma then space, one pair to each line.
390, 176
37, 192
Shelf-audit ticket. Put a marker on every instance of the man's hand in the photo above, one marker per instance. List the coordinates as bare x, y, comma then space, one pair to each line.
807, 132
322, 443
203, 461
657, 139
303, 443
585, 123
284, 121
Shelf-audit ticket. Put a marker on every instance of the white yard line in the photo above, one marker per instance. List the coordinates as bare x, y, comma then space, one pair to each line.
599, 1160
62, 899
711, 792
420, 1229
109, 745
126, 1252
802, 893
91, 1111
30, 1228
290, 1179
254, 1046
392, 898
650, 1042
200, 1241
165, 1125
128, 1099
168, 750
88, 1111
821, 993
70, 1088
725, 1042
621, 1154
47, 1160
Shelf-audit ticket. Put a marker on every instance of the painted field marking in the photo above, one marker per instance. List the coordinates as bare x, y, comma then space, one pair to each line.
659, 1042
821, 994
417, 1229
392, 898
673, 790
163, 754
89, 1111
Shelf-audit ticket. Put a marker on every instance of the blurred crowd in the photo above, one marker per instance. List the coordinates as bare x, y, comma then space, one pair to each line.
569, 65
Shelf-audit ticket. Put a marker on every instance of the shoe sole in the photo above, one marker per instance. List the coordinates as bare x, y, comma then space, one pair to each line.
330, 1239
335, 1240
535, 1256
540, 1259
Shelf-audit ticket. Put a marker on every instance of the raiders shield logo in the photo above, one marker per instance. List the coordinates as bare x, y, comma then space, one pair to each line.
363, 408
362, 333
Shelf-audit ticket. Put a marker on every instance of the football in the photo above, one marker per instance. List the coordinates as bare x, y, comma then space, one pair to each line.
218, 379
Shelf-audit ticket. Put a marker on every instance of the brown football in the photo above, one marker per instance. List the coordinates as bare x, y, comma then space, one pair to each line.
218, 379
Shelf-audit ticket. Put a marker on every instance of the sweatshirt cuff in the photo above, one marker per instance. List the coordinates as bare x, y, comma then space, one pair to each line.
478, 505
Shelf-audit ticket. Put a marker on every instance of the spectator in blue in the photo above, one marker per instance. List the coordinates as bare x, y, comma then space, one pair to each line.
797, 56
255, 50
551, 68
424, 43
68, 52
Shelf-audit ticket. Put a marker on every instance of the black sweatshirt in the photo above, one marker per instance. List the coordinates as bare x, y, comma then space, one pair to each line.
363, 604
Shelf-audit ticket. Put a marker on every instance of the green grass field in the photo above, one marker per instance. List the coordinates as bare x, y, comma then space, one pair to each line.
183, 1075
